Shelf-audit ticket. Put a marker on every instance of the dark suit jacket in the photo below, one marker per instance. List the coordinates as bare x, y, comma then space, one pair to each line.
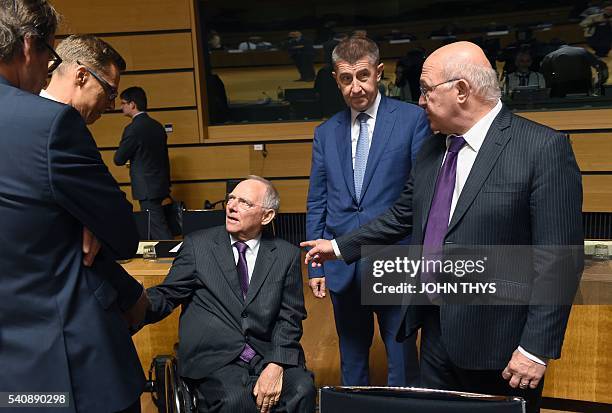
332, 207
524, 189
60, 325
144, 144
216, 321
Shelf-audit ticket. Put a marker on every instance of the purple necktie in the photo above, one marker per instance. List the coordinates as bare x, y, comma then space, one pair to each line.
439, 213
247, 353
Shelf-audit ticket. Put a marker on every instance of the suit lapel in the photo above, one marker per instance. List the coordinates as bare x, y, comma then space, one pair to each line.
431, 168
382, 132
491, 148
265, 258
343, 145
225, 259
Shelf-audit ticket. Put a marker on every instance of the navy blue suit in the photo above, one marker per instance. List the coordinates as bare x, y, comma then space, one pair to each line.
333, 210
60, 322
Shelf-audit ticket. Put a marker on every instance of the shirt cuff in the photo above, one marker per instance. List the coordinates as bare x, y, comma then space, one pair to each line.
336, 249
532, 357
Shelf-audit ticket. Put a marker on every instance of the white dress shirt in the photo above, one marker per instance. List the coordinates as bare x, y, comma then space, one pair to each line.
372, 111
250, 253
44, 94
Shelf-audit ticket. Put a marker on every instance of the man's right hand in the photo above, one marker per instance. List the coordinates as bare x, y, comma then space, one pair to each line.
321, 251
318, 286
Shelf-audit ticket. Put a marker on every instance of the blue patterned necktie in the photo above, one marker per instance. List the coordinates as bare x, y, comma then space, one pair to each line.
247, 353
361, 154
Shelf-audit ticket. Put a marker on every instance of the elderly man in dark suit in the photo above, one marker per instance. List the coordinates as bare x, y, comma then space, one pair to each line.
144, 144
61, 328
487, 177
243, 306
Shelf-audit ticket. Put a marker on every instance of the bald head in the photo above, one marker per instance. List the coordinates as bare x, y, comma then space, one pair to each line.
461, 53
461, 87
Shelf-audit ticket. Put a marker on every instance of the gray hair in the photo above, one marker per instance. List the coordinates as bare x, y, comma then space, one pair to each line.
354, 49
482, 79
22, 18
89, 50
271, 198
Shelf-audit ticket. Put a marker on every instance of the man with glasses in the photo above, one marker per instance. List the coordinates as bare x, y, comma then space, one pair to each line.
487, 177
64, 222
144, 145
242, 310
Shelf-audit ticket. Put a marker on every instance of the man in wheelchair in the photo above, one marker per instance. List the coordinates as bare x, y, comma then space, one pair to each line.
242, 310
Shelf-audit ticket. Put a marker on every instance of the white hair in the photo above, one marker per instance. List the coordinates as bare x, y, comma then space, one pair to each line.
482, 80
271, 198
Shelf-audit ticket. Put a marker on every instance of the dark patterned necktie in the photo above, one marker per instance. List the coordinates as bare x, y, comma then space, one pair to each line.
247, 353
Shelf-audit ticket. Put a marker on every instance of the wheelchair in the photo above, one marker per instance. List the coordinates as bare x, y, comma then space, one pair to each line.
170, 392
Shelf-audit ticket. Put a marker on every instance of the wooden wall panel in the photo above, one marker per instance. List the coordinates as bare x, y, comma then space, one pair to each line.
269, 131
593, 151
572, 119
120, 173
194, 194
107, 131
164, 90
213, 162
282, 160
597, 191
119, 16
293, 193
154, 51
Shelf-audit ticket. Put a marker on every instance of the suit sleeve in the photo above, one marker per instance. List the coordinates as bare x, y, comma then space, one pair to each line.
128, 288
556, 217
287, 332
178, 286
127, 146
317, 198
81, 183
421, 132
388, 228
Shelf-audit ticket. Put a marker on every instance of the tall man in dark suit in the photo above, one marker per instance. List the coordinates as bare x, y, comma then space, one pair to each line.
61, 326
487, 177
243, 306
144, 144
361, 159
73, 84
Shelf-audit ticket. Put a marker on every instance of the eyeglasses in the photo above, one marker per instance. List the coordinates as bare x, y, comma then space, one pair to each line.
243, 204
111, 92
426, 90
54, 61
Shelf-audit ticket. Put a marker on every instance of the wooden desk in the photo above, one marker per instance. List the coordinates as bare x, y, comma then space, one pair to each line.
584, 371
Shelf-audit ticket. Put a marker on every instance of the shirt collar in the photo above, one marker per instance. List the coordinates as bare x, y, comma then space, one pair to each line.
139, 113
252, 243
372, 110
476, 135
43, 93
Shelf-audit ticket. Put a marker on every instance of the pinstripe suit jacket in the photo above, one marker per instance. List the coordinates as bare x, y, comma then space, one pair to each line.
216, 321
523, 189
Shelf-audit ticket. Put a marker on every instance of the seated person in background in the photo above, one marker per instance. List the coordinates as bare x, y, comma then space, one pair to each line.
214, 41
523, 76
568, 70
254, 43
400, 89
598, 31
74, 84
243, 306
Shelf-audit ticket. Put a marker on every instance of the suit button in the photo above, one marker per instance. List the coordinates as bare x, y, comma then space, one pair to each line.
244, 314
360, 209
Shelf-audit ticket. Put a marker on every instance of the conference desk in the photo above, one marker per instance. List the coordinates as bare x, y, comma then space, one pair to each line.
583, 373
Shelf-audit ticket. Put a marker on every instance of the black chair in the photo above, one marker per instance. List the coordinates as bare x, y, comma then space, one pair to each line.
404, 400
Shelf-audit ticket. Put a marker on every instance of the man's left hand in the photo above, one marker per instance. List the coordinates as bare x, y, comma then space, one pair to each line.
523, 372
91, 247
267, 390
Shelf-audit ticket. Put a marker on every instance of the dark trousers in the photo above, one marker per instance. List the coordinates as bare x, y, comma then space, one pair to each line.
230, 390
305, 65
355, 328
158, 226
134, 408
438, 371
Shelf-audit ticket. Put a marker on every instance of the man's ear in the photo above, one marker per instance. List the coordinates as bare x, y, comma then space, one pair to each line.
268, 216
379, 71
80, 76
463, 90
29, 48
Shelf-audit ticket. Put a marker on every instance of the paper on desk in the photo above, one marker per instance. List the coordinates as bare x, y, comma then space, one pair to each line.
142, 244
175, 249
